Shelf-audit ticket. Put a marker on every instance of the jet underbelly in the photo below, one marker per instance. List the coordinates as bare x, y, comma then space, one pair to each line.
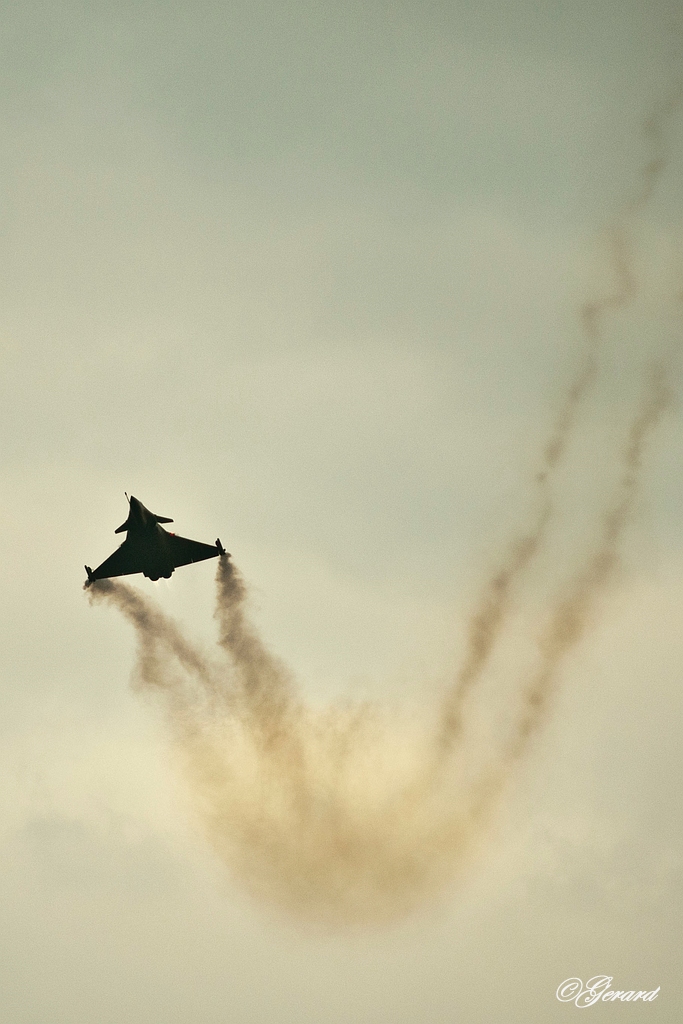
153, 554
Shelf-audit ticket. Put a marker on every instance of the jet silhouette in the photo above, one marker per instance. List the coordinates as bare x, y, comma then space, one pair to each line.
150, 549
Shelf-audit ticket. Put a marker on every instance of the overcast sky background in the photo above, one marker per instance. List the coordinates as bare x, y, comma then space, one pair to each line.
305, 276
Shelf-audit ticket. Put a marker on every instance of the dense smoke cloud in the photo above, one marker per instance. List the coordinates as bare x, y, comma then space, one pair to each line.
347, 815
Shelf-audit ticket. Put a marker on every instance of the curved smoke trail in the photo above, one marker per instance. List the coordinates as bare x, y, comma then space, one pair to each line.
343, 815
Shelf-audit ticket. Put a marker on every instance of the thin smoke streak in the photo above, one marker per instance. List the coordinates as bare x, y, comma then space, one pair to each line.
487, 621
575, 611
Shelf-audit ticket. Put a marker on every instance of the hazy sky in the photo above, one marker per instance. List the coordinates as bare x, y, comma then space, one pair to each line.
306, 276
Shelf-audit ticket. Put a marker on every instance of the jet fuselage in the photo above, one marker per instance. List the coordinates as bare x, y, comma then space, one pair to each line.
150, 549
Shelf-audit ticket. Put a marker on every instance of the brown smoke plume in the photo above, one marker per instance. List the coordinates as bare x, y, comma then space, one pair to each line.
347, 815
328, 813
486, 622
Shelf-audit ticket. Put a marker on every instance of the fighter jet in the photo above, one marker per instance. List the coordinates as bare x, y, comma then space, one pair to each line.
150, 549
